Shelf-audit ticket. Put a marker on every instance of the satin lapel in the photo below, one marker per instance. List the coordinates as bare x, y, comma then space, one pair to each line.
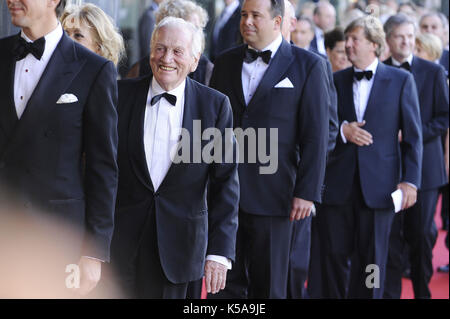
8, 114
136, 134
418, 78
274, 73
380, 82
58, 75
349, 103
236, 80
190, 113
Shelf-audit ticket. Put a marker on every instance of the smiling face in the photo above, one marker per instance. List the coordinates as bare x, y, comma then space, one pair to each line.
36, 18
257, 26
337, 56
82, 33
401, 41
171, 58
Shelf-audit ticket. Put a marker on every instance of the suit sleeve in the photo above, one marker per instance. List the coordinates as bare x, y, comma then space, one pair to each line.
334, 122
313, 134
223, 191
411, 126
439, 123
101, 175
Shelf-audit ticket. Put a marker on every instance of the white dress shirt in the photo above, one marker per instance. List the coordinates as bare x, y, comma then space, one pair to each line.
320, 40
162, 128
397, 64
224, 17
252, 73
29, 70
361, 93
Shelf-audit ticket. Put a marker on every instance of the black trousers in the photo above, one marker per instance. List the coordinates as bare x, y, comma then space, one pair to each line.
143, 276
262, 259
354, 241
299, 258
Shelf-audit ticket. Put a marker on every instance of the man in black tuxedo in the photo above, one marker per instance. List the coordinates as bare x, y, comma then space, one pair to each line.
166, 224
225, 32
299, 259
58, 133
417, 222
274, 86
375, 102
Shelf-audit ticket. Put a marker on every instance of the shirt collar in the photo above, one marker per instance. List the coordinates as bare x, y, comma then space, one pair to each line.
156, 89
372, 67
409, 60
51, 41
273, 47
318, 32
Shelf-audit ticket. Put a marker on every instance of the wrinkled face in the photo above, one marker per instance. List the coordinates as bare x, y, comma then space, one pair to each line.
401, 41
302, 35
82, 33
421, 53
360, 51
171, 57
433, 25
337, 56
257, 26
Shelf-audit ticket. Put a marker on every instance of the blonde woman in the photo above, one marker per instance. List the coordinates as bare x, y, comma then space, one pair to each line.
88, 25
428, 47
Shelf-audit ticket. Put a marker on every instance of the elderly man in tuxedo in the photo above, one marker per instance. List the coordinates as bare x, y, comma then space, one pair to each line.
375, 102
58, 133
273, 86
418, 222
168, 229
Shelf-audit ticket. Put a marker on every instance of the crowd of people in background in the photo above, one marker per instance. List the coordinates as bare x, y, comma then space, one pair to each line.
360, 101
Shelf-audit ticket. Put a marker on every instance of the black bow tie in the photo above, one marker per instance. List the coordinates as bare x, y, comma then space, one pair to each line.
172, 99
251, 55
406, 66
23, 47
360, 75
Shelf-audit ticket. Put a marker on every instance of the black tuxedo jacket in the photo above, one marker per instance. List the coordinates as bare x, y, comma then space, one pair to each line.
432, 88
189, 226
62, 157
300, 114
393, 105
229, 36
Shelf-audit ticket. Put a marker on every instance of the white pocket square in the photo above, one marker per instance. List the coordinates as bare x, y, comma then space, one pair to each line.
286, 83
67, 98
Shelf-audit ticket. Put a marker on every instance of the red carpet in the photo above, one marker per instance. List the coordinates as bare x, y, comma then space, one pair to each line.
439, 284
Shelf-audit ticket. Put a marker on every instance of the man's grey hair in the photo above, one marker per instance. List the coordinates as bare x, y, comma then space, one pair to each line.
397, 20
197, 33
441, 17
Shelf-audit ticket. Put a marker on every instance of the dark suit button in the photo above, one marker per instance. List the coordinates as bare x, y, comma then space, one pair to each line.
156, 194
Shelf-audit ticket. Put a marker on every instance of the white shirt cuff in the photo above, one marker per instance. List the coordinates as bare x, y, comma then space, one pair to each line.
342, 132
410, 184
221, 260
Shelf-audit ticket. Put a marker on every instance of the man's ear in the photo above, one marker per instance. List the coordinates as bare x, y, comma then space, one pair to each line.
195, 64
278, 20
